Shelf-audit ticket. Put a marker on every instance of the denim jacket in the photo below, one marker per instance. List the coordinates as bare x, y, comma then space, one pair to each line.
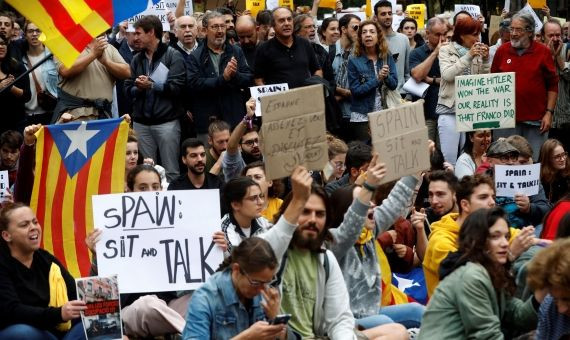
49, 73
215, 311
363, 81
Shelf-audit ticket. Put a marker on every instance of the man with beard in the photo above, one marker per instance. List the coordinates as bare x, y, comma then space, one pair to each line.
287, 58
194, 157
246, 30
398, 43
217, 73
218, 138
243, 146
10, 143
536, 81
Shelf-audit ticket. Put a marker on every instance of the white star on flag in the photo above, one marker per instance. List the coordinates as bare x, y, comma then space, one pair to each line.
79, 139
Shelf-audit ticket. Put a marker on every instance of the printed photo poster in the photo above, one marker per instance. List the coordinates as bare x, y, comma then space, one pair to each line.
259, 91
102, 319
485, 101
158, 241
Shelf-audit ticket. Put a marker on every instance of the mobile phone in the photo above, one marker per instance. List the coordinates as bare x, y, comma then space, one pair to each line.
281, 319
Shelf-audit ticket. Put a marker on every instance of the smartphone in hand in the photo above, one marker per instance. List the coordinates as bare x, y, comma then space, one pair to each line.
281, 319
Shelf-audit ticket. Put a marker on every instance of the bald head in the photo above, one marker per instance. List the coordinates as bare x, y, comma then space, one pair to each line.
246, 30
186, 30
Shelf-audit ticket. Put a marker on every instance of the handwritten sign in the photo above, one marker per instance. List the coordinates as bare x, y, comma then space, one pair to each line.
160, 10
539, 4
158, 241
485, 101
517, 179
537, 23
294, 130
473, 10
399, 135
417, 12
259, 91
4, 185
254, 6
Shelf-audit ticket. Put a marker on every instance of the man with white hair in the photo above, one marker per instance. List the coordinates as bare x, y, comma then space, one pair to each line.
536, 81
186, 30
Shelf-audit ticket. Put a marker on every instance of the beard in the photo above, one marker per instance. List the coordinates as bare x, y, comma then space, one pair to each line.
313, 244
195, 171
250, 158
520, 43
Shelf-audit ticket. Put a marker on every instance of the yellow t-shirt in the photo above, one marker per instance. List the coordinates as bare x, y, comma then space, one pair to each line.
272, 208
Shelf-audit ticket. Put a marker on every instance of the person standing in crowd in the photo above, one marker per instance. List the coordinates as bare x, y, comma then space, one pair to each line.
29, 280
330, 32
341, 52
193, 154
476, 144
247, 33
43, 80
86, 88
551, 32
465, 55
424, 65
10, 144
186, 30
218, 138
304, 26
158, 100
127, 49
398, 43
15, 95
504, 37
367, 72
217, 73
554, 170
263, 22
409, 27
287, 58
475, 299
536, 82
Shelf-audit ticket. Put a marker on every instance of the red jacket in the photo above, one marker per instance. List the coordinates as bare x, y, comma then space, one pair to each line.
535, 76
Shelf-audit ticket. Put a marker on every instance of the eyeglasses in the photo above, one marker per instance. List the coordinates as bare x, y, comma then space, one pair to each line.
218, 27
251, 142
255, 283
560, 156
339, 165
256, 198
355, 27
513, 157
32, 31
518, 30
309, 26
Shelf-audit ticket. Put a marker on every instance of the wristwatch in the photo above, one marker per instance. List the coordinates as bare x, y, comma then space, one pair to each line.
550, 110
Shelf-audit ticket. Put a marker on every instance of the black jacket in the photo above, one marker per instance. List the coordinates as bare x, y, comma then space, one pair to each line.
157, 105
123, 103
212, 94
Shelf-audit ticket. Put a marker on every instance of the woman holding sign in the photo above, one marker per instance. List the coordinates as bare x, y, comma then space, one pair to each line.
464, 55
370, 69
37, 294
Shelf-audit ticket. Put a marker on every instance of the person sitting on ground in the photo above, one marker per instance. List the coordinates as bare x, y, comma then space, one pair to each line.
553, 219
29, 280
476, 144
271, 189
475, 299
554, 170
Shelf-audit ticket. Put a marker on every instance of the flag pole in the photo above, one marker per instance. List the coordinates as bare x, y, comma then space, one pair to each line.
39, 63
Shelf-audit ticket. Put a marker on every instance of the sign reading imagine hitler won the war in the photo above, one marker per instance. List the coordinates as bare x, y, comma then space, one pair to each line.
399, 135
485, 101
294, 131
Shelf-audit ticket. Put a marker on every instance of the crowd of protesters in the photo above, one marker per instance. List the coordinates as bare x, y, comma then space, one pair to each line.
319, 246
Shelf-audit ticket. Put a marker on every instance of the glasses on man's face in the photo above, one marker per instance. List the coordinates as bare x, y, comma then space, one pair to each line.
256, 198
560, 156
32, 31
517, 30
256, 283
339, 165
218, 27
512, 157
355, 27
251, 142
307, 27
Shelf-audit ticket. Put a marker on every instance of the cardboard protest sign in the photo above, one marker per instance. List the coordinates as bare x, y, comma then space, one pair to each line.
160, 10
254, 6
102, 318
4, 185
399, 135
538, 4
158, 241
293, 131
418, 12
537, 23
485, 101
517, 179
473, 10
494, 25
259, 91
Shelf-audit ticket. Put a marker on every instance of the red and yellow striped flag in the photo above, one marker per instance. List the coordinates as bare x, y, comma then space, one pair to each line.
73, 162
69, 25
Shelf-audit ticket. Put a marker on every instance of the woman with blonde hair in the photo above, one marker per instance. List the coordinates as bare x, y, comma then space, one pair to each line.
554, 170
371, 67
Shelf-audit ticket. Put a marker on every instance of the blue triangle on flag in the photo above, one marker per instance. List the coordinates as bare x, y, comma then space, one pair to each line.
77, 142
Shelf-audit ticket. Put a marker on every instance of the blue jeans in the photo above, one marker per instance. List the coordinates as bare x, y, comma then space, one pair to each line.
409, 315
24, 331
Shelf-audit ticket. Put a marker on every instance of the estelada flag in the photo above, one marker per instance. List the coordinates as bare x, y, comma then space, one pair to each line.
73, 162
69, 25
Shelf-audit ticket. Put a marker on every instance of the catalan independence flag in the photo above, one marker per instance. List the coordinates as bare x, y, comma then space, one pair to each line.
73, 162
69, 25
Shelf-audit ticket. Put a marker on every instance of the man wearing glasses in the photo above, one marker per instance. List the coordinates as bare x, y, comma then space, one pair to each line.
522, 210
217, 75
536, 81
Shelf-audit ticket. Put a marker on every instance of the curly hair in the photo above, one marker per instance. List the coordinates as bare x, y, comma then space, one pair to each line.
551, 266
381, 45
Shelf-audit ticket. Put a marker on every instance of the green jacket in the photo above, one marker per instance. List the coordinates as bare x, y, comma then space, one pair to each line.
465, 306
